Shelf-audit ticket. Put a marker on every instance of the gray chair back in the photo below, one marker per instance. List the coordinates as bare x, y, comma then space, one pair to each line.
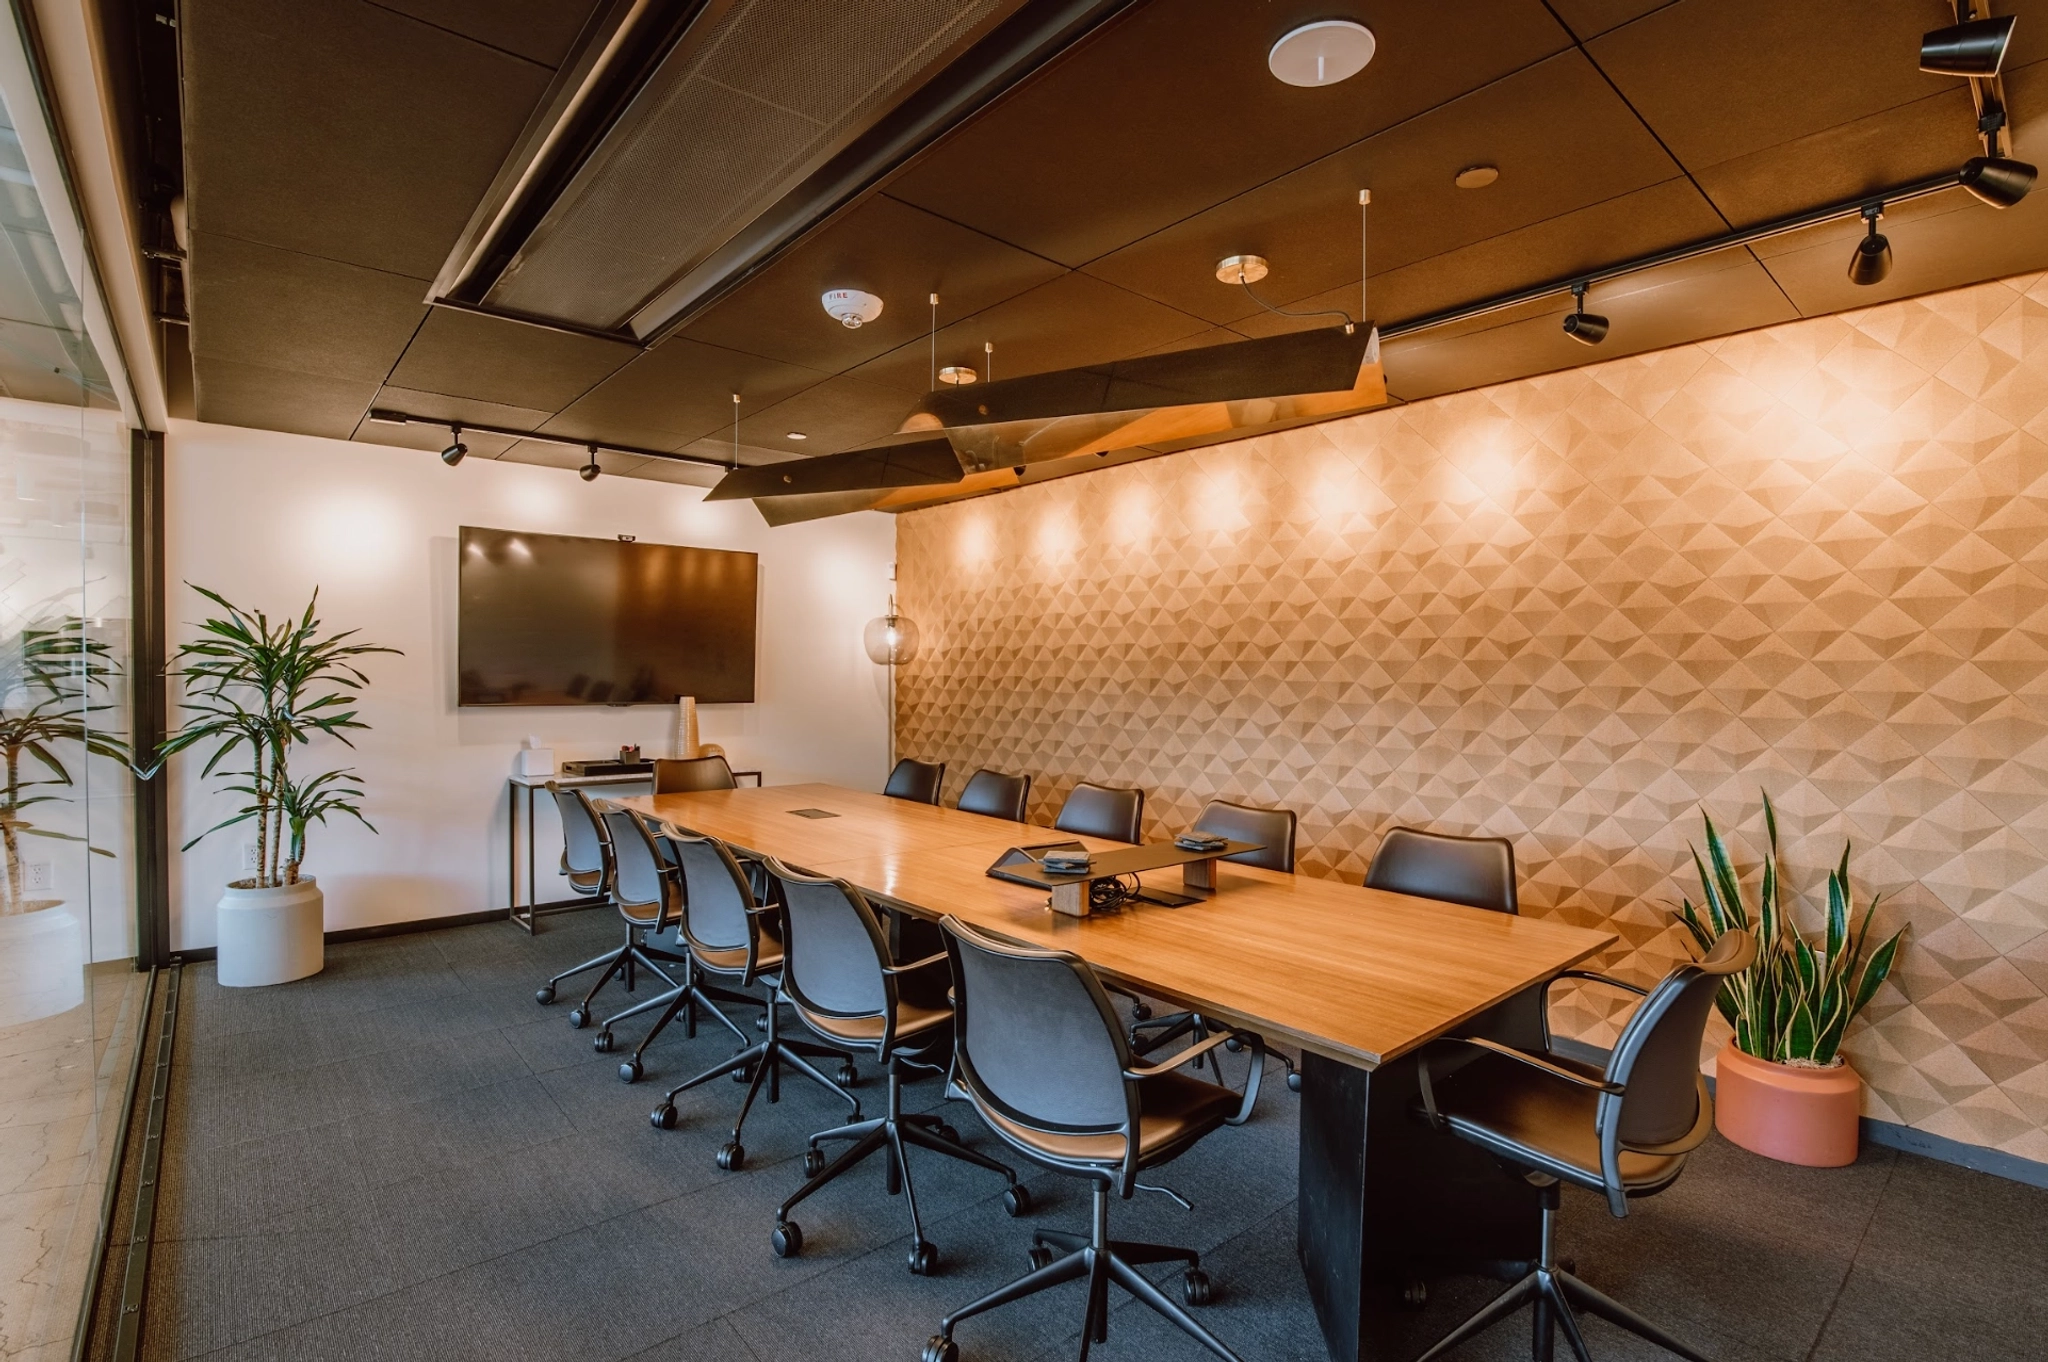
583, 837
688, 775
835, 955
1036, 1036
719, 912
1271, 829
1103, 811
1663, 1107
996, 795
1478, 872
917, 781
640, 882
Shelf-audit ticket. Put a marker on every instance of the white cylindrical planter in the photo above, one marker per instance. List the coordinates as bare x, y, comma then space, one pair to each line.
42, 962
270, 936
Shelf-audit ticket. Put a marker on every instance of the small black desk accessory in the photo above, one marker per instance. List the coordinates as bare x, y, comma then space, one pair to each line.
1072, 893
606, 766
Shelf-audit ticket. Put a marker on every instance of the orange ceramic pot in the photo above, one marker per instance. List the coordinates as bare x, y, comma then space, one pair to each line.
1793, 1115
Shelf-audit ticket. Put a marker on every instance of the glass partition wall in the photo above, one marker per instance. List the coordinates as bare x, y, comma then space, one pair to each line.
71, 999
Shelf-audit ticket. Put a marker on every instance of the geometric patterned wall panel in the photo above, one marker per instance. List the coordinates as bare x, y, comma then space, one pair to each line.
1575, 610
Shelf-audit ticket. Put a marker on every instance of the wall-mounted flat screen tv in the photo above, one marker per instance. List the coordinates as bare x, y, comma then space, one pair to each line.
550, 619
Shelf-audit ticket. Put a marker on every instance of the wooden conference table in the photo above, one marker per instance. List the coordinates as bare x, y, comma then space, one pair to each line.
1359, 979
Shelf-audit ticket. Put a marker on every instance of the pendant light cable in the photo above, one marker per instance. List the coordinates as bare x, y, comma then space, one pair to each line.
735, 430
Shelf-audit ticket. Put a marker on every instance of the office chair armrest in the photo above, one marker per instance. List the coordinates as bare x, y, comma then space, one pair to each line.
1251, 1041
916, 965
1436, 1118
1180, 1057
1592, 977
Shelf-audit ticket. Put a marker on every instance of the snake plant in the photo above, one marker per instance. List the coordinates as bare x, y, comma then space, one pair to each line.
1793, 1005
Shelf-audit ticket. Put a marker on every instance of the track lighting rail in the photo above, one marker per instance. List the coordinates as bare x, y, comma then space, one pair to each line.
1743, 236
384, 416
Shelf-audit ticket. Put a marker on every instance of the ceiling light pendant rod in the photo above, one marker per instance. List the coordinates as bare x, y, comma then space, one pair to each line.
735, 430
935, 343
384, 416
1744, 236
1364, 202
988, 360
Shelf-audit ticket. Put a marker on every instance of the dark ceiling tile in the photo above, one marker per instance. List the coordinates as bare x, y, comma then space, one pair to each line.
545, 455
1590, 18
442, 407
1560, 137
1172, 109
466, 354
678, 391
1074, 320
1897, 146
1649, 311
341, 129
229, 393
900, 254
687, 474
837, 414
1638, 224
433, 439
538, 30
1937, 243
720, 451
1719, 79
256, 304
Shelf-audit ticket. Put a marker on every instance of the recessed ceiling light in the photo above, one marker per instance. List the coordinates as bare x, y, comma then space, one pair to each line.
1477, 177
797, 435
959, 375
1322, 53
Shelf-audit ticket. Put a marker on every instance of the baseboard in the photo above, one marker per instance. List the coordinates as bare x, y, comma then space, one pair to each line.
381, 929
1884, 1134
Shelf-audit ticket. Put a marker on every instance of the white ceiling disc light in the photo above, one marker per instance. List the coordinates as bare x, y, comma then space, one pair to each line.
851, 308
1322, 53
957, 374
1477, 177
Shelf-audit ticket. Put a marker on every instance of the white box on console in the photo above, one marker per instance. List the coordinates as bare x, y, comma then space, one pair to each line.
535, 761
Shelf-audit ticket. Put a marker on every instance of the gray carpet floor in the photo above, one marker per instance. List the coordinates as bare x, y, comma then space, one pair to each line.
406, 1158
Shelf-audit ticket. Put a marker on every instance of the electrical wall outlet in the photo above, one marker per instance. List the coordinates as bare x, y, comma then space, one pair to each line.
35, 874
249, 858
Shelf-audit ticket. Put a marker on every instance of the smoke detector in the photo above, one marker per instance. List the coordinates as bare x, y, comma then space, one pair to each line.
1322, 53
851, 308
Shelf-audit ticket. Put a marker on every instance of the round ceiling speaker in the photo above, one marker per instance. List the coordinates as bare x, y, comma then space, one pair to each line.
1322, 53
1476, 177
851, 308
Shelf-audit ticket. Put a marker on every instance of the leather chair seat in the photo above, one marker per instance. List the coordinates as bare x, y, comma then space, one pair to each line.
586, 881
733, 959
1532, 1119
1175, 1111
912, 1020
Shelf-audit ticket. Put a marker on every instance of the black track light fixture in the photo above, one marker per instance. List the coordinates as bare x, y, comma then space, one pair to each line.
1975, 49
1998, 180
1873, 258
590, 470
455, 451
1587, 328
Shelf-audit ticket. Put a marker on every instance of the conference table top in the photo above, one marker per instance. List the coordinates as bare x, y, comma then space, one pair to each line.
1357, 975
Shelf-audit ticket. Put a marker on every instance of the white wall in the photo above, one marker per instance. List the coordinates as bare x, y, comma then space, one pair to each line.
263, 518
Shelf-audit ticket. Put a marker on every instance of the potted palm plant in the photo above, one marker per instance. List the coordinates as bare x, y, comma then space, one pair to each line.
1782, 1087
255, 691
54, 677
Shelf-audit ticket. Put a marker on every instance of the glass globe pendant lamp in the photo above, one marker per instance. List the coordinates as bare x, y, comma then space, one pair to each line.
891, 639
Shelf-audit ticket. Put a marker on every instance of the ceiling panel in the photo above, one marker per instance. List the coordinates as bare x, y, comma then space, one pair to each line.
257, 304
1720, 79
678, 391
899, 253
538, 30
1590, 18
442, 407
232, 393
432, 439
1172, 109
1558, 133
837, 414
463, 354
1076, 319
341, 129
1937, 243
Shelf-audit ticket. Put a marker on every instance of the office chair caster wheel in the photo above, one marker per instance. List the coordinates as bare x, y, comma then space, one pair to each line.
924, 1258
578, 1019
602, 1041
630, 1071
788, 1240
1195, 1287
732, 1156
814, 1162
1141, 1011
743, 1074
544, 995
1017, 1201
1234, 1045
663, 1117
848, 1076
1414, 1294
941, 1349
1294, 1081
1041, 1256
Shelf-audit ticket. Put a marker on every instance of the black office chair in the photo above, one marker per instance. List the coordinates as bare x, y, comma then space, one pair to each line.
1039, 1051
917, 781
649, 889
838, 973
688, 775
1623, 1132
587, 861
1271, 831
1116, 815
996, 795
733, 937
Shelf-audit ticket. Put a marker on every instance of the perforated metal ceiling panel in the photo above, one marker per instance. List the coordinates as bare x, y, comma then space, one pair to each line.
727, 126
